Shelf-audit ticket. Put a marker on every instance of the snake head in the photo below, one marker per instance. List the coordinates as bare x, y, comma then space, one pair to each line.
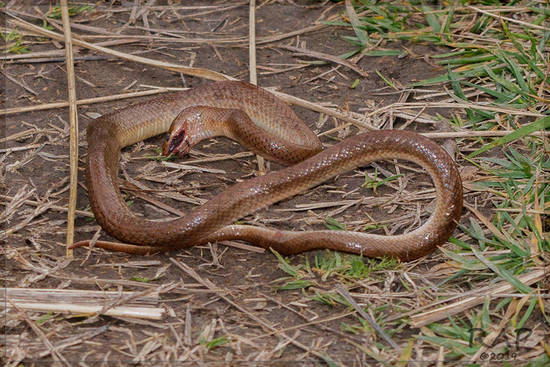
177, 139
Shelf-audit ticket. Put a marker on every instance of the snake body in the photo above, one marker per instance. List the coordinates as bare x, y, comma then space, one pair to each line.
268, 126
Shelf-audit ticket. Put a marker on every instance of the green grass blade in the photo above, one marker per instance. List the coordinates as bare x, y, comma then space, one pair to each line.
503, 273
540, 124
431, 19
356, 24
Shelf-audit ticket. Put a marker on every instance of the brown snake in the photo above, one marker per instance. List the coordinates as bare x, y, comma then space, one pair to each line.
269, 127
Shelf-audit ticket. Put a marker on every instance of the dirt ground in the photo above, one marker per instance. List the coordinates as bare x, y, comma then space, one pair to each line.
230, 294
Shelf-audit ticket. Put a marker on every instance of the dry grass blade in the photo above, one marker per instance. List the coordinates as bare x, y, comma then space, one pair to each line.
511, 111
136, 191
15, 202
40, 209
275, 38
22, 85
55, 53
252, 42
192, 168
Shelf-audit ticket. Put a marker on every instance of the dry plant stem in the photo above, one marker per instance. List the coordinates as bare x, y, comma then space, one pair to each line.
75, 295
444, 312
83, 301
136, 191
400, 105
73, 118
149, 313
252, 42
19, 83
269, 39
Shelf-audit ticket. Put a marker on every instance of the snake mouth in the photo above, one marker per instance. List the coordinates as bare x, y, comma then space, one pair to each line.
177, 144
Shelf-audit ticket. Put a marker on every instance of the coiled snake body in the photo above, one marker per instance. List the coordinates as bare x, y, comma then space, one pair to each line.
269, 127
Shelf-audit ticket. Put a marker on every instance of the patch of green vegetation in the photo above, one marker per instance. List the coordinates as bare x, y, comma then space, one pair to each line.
333, 263
515, 231
159, 156
362, 328
217, 342
45, 318
329, 299
464, 337
296, 279
327, 265
334, 225
505, 68
375, 182
141, 279
55, 12
14, 41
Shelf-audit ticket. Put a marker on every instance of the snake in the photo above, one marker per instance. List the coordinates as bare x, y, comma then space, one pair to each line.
267, 126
